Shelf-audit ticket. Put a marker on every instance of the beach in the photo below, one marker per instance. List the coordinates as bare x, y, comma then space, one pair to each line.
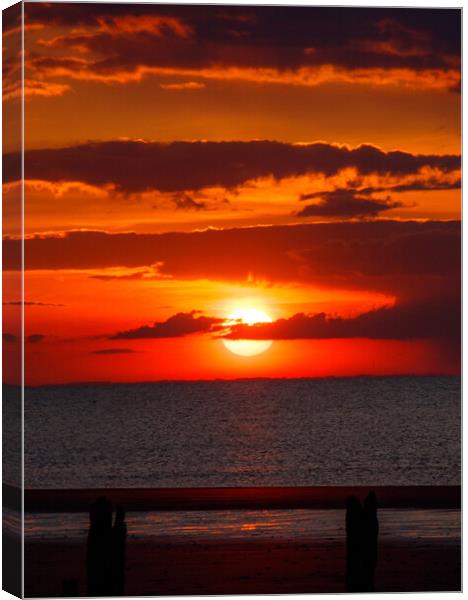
246, 567
206, 545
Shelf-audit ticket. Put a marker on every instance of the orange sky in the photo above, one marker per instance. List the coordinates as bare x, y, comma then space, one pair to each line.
184, 162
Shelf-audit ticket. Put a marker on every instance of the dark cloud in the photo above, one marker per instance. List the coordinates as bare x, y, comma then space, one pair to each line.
11, 53
178, 325
346, 203
419, 185
439, 319
147, 274
430, 185
282, 38
184, 201
414, 252
136, 166
384, 255
28, 303
9, 337
434, 319
418, 263
110, 351
35, 338
11, 19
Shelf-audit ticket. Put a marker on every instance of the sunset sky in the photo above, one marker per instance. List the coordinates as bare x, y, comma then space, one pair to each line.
184, 163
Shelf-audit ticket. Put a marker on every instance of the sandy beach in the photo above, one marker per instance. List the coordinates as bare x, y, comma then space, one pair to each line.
177, 565
246, 568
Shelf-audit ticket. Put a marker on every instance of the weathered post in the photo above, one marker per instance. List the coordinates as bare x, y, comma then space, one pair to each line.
105, 557
362, 529
370, 541
119, 539
353, 545
98, 555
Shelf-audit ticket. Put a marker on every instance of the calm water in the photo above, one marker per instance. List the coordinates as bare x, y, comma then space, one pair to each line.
400, 430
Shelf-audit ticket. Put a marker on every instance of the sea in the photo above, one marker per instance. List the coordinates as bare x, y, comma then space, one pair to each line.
265, 432
259, 432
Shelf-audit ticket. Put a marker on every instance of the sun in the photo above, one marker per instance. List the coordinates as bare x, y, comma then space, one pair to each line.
249, 316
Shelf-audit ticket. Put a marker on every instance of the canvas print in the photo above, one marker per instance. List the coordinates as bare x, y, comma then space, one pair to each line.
231, 299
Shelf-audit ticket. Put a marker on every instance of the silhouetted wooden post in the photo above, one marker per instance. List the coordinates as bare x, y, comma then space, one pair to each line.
370, 541
119, 539
105, 558
353, 545
98, 556
362, 529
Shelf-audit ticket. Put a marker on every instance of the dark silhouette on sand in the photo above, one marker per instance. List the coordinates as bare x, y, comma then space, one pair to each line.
353, 544
362, 529
119, 537
105, 558
370, 532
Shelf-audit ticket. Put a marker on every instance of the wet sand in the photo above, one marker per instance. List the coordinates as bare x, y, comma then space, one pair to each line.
165, 568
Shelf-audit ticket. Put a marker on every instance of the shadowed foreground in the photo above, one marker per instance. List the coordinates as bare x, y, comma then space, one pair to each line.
187, 565
246, 567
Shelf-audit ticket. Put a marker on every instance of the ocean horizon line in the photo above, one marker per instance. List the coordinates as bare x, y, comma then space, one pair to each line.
235, 379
